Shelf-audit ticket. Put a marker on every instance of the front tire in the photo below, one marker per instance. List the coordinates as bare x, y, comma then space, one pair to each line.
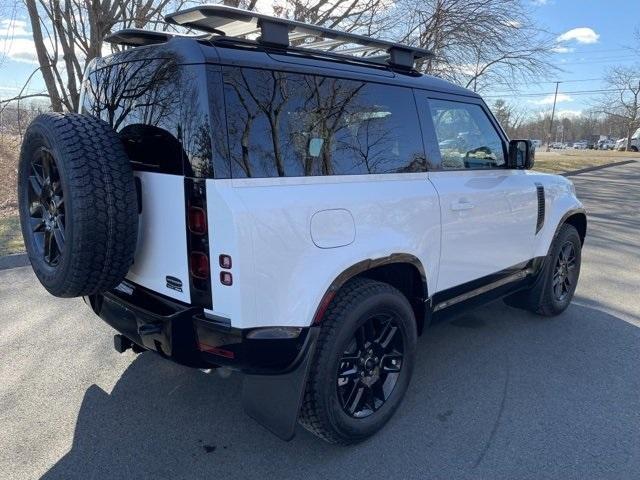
557, 281
363, 362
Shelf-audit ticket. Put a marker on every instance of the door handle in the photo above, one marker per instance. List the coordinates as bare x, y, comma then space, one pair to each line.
462, 204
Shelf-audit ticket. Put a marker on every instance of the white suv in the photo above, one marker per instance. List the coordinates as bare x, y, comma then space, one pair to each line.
287, 210
621, 144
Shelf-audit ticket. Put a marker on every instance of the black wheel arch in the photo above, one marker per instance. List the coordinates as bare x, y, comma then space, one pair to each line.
576, 217
403, 271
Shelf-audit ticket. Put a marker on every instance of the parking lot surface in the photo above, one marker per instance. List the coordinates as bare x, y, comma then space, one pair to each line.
497, 393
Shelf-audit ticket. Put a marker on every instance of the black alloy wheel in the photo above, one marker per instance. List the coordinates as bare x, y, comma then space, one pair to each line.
362, 364
369, 369
565, 273
46, 207
78, 204
556, 282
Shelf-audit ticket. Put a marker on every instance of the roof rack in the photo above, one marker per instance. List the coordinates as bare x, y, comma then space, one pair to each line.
279, 32
137, 37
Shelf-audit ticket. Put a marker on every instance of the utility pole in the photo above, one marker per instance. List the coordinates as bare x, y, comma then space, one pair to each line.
553, 111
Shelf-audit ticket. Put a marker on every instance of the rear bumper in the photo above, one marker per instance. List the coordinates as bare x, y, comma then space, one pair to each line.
275, 360
184, 334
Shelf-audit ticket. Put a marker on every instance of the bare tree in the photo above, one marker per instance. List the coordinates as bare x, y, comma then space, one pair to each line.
624, 101
477, 42
366, 16
69, 34
509, 116
246, 4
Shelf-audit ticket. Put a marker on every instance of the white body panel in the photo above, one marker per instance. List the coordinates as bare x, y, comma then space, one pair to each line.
488, 222
290, 238
162, 237
559, 198
279, 273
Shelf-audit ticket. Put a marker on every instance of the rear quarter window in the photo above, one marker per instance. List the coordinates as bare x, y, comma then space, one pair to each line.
290, 125
138, 99
163, 113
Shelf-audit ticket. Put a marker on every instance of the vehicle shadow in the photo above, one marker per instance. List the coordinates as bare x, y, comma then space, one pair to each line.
497, 393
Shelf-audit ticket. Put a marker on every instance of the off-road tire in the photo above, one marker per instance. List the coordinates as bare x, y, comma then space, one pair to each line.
540, 299
321, 412
100, 203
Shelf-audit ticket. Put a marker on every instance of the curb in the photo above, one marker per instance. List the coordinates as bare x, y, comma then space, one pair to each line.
14, 261
597, 167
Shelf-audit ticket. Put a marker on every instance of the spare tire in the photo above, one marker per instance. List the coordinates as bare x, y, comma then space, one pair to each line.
78, 204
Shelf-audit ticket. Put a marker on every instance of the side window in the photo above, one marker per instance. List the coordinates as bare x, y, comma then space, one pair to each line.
466, 137
290, 125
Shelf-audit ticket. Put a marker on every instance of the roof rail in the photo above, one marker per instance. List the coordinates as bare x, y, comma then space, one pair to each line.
279, 32
137, 37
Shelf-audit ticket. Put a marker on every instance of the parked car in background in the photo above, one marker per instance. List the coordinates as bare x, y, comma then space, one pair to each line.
581, 145
536, 143
608, 144
621, 144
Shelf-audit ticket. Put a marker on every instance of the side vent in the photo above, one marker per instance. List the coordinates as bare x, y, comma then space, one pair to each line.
541, 207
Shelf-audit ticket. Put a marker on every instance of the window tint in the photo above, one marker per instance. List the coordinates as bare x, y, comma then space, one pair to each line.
287, 125
466, 137
162, 112
138, 99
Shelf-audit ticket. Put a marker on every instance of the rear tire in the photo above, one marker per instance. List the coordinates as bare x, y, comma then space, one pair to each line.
78, 204
356, 383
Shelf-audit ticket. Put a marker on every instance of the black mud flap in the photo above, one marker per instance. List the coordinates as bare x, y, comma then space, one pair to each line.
274, 400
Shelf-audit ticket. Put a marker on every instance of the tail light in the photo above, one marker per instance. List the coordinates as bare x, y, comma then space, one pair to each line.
199, 265
226, 278
198, 241
225, 261
197, 220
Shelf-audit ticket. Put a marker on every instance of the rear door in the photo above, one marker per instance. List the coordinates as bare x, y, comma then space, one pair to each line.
488, 211
141, 98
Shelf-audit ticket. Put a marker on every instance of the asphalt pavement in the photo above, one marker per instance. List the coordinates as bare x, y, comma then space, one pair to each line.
498, 393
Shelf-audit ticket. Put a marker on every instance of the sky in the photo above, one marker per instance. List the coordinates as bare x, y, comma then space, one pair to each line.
591, 35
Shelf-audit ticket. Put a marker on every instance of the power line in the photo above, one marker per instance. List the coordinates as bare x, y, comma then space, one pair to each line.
545, 94
633, 58
575, 81
621, 49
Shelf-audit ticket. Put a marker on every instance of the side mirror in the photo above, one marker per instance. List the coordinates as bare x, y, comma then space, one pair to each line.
522, 154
